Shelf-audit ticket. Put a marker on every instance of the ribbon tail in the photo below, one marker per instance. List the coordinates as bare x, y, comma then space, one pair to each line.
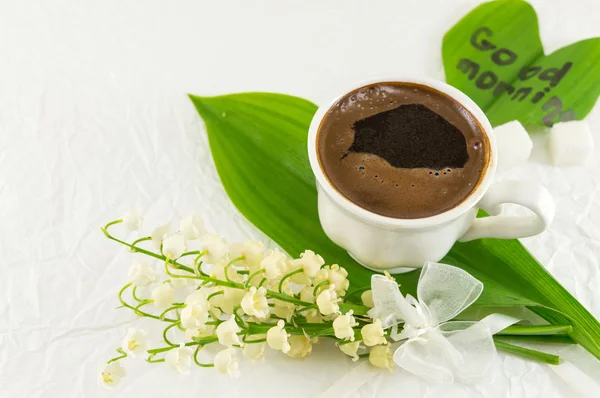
424, 359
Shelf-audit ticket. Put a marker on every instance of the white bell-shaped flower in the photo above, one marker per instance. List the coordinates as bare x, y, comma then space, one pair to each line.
373, 334
327, 301
277, 338
351, 349
255, 303
163, 295
226, 362
142, 274
215, 247
343, 326
174, 245
227, 333
192, 227
110, 374
274, 264
180, 359
135, 342
132, 220
158, 234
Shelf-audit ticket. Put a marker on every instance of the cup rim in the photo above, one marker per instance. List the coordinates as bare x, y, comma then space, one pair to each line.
468, 203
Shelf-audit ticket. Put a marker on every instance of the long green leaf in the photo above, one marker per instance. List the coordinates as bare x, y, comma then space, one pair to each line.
258, 141
495, 56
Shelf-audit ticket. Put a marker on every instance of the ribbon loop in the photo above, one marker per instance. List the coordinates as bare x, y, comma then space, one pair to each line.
433, 348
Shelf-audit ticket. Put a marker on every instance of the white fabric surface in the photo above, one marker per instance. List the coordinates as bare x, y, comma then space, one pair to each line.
94, 120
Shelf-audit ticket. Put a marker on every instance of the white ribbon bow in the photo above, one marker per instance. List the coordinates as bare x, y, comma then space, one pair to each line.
435, 349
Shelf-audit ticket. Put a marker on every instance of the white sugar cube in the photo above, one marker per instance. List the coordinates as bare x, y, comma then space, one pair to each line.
571, 143
513, 143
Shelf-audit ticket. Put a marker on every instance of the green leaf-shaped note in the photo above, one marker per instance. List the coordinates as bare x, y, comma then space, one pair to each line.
258, 141
495, 56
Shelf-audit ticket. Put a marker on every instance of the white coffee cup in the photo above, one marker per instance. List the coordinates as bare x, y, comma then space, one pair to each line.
396, 245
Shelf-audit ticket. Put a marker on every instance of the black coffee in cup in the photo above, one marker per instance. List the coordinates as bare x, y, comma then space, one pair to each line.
402, 150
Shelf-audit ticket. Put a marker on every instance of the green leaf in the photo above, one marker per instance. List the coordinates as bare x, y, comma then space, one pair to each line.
494, 55
258, 142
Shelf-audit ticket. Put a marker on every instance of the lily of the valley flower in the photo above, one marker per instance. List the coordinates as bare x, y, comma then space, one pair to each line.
373, 334
306, 294
310, 262
180, 359
350, 349
226, 362
274, 264
327, 301
174, 245
110, 374
343, 326
254, 351
367, 298
313, 316
277, 338
191, 334
255, 303
135, 342
253, 252
158, 234
132, 220
195, 313
335, 275
381, 357
215, 247
230, 298
192, 227
227, 333
283, 309
142, 274
218, 270
163, 295
300, 346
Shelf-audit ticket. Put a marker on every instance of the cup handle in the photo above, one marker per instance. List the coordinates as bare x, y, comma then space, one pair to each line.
533, 196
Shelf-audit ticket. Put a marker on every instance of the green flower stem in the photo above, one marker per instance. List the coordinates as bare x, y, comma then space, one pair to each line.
316, 289
126, 305
165, 338
120, 351
543, 330
140, 240
229, 264
190, 253
151, 359
140, 305
298, 271
260, 271
262, 281
202, 365
215, 294
202, 341
113, 223
527, 353
547, 339
243, 272
308, 307
254, 341
161, 316
135, 297
238, 318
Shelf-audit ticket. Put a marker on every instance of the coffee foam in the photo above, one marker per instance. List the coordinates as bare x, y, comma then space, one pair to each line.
371, 181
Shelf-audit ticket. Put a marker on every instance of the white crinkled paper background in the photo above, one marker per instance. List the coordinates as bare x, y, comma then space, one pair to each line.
94, 120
